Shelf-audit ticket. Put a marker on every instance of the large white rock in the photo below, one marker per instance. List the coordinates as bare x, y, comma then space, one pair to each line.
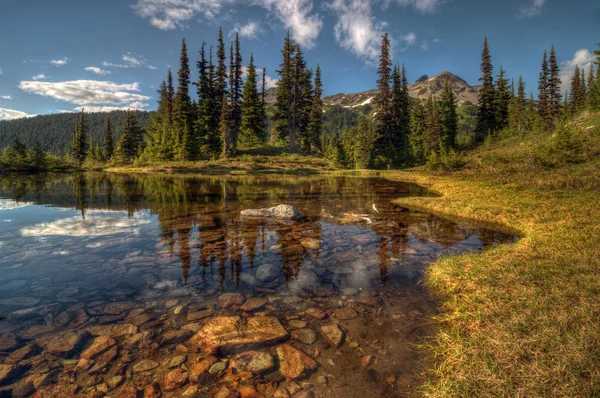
281, 212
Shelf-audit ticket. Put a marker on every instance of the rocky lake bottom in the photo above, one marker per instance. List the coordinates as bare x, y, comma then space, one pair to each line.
150, 286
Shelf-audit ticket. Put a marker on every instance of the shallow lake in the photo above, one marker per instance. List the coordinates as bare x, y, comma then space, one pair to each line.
110, 283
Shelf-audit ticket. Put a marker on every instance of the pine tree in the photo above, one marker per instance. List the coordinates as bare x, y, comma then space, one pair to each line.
315, 124
447, 118
131, 139
236, 96
384, 149
263, 107
398, 120
543, 96
108, 140
281, 114
419, 137
184, 141
486, 118
577, 97
225, 125
301, 104
554, 95
252, 118
518, 113
79, 148
38, 156
221, 72
433, 126
208, 112
502, 101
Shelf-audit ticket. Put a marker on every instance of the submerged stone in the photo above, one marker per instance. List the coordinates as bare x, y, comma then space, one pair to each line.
229, 334
256, 362
293, 363
280, 212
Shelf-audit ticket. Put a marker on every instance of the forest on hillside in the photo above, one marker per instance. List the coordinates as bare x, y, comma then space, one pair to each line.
229, 113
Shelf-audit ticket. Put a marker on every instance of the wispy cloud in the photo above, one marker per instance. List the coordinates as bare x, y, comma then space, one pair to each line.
1, 72
60, 62
10, 114
424, 46
6, 97
89, 93
97, 70
421, 5
269, 81
130, 61
41, 76
356, 30
532, 10
295, 15
582, 58
251, 30
406, 41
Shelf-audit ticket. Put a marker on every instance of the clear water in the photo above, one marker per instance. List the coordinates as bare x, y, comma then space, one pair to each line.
72, 246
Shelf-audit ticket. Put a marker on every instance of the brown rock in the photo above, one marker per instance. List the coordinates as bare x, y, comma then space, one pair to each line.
114, 381
8, 373
227, 300
145, 365
304, 394
294, 364
256, 362
65, 344
333, 335
152, 391
224, 392
296, 324
316, 313
194, 316
60, 390
176, 336
249, 392
306, 336
253, 303
21, 354
202, 366
175, 379
346, 313
127, 391
366, 361
229, 334
123, 330
8, 342
100, 345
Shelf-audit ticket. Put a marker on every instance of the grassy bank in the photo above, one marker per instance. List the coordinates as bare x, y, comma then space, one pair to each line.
520, 320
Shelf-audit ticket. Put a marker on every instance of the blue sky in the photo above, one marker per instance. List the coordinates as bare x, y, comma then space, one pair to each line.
62, 55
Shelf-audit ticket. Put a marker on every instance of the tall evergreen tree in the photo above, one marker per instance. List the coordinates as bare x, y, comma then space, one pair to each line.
221, 72
281, 114
384, 148
399, 120
315, 124
128, 147
447, 117
554, 94
184, 140
518, 114
236, 96
486, 118
433, 126
543, 95
208, 112
263, 105
79, 149
578, 94
301, 104
502, 101
252, 118
108, 140
419, 137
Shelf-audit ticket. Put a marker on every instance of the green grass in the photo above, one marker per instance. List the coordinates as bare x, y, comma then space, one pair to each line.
520, 320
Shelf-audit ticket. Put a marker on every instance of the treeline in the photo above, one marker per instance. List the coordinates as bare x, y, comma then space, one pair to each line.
405, 132
54, 132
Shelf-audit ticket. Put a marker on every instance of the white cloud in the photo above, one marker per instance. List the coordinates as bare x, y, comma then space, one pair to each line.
134, 106
171, 14
6, 97
407, 40
421, 5
582, 58
356, 29
130, 61
41, 76
250, 31
89, 93
97, 70
295, 15
60, 62
424, 46
437, 41
532, 10
9, 114
96, 223
1, 72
